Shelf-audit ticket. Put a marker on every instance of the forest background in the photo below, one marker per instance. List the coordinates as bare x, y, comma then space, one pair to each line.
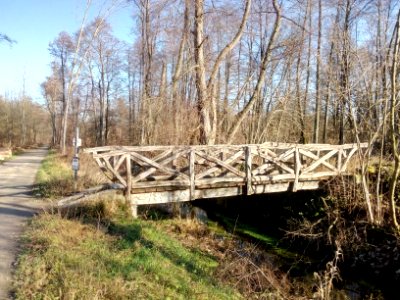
217, 72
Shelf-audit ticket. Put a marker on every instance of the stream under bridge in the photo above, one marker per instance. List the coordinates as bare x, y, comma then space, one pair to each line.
168, 174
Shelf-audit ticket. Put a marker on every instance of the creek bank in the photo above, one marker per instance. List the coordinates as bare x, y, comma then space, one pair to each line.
369, 267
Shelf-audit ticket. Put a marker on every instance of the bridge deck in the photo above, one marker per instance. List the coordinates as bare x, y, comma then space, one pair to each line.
160, 174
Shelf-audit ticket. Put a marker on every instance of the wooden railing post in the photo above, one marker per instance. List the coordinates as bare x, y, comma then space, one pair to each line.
247, 155
297, 167
128, 194
339, 161
192, 183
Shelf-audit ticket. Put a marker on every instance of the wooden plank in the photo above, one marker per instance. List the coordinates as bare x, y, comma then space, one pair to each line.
318, 175
318, 162
247, 167
291, 177
150, 171
120, 161
157, 184
128, 176
258, 179
328, 147
282, 156
192, 177
99, 149
273, 178
266, 145
285, 187
268, 170
286, 155
297, 168
275, 162
221, 164
339, 161
229, 160
109, 154
349, 156
80, 199
116, 174
217, 180
184, 195
163, 178
162, 197
134, 209
104, 169
179, 147
157, 165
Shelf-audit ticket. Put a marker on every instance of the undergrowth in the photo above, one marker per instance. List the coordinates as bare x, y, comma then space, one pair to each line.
98, 253
55, 176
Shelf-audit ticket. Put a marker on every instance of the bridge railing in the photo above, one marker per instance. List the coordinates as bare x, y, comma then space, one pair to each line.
163, 168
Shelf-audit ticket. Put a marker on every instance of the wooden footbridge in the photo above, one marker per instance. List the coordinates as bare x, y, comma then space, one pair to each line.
162, 174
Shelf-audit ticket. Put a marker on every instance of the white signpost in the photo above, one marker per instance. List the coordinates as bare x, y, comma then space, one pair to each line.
76, 142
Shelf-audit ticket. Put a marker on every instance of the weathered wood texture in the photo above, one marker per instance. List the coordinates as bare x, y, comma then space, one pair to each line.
159, 174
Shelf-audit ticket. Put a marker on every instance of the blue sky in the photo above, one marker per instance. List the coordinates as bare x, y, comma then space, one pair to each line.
34, 24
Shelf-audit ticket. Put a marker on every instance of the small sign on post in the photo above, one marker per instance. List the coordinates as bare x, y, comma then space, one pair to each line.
75, 163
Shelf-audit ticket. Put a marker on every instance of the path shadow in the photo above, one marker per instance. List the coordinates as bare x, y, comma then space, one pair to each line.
24, 213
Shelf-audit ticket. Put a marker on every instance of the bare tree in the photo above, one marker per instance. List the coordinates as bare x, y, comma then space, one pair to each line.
317, 77
393, 123
206, 103
261, 77
62, 48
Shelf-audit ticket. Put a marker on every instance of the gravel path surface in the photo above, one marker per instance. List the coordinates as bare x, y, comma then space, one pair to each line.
16, 206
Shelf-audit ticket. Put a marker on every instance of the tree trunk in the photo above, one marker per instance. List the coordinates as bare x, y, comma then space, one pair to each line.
344, 72
317, 77
203, 101
263, 69
393, 116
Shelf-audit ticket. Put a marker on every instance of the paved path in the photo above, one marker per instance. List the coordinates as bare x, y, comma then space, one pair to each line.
16, 206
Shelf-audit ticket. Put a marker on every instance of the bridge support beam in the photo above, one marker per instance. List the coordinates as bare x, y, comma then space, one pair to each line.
131, 202
134, 210
132, 205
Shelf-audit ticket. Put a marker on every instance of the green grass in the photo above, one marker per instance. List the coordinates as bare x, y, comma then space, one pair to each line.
252, 233
99, 252
127, 259
54, 178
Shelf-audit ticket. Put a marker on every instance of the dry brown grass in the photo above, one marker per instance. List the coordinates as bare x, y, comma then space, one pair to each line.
55, 177
241, 264
89, 174
325, 280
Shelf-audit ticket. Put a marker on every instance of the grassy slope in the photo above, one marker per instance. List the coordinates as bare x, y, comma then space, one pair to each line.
54, 178
129, 260
99, 253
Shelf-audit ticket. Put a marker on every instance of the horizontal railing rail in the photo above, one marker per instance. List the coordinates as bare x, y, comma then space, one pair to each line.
142, 169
